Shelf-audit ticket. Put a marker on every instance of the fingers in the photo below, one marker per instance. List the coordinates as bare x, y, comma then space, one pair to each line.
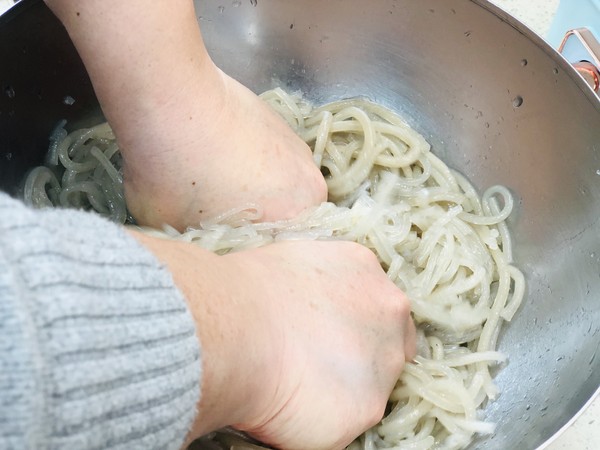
347, 332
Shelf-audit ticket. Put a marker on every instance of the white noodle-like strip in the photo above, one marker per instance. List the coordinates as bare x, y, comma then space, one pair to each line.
41, 188
56, 137
518, 293
438, 240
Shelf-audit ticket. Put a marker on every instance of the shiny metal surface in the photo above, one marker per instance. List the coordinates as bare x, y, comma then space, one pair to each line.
495, 102
498, 104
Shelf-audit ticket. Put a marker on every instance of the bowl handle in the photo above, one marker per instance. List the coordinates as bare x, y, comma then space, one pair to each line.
581, 48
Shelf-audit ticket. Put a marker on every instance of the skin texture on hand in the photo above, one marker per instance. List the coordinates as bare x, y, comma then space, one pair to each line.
302, 341
195, 142
303, 349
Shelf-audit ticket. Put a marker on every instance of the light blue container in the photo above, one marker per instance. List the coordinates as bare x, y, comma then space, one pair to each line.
574, 14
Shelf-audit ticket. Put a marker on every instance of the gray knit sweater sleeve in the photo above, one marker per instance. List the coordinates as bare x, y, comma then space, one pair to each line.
97, 347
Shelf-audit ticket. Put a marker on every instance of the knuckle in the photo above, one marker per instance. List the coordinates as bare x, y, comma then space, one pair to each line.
400, 304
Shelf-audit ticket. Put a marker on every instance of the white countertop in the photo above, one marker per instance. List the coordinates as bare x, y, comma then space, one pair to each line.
5, 4
584, 433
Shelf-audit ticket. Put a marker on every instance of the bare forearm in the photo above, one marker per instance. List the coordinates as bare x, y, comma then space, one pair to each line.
195, 143
142, 57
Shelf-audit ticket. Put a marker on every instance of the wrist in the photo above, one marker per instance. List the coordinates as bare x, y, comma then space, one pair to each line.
230, 325
146, 81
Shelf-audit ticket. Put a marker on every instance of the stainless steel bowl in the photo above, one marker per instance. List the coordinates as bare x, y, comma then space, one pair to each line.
494, 100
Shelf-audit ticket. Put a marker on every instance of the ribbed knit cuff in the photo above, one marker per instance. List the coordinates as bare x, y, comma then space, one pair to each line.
97, 347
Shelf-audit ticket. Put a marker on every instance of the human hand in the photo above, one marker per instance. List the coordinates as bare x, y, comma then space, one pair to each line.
194, 141
231, 151
339, 335
302, 341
